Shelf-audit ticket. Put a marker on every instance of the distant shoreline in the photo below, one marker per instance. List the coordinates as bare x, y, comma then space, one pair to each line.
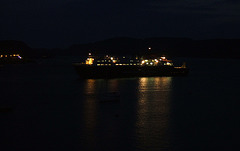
173, 47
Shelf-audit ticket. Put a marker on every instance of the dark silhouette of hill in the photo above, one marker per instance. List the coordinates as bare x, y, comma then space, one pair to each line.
19, 47
14, 47
174, 47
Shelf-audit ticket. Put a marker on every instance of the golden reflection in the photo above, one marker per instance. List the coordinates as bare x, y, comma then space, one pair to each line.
112, 85
90, 110
93, 89
153, 111
90, 86
154, 84
95, 86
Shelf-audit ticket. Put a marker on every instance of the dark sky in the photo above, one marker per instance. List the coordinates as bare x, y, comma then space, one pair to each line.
60, 23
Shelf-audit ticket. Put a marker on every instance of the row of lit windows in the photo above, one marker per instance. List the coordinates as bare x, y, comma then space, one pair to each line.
114, 61
104, 64
153, 64
104, 61
169, 64
150, 62
119, 64
128, 64
13, 55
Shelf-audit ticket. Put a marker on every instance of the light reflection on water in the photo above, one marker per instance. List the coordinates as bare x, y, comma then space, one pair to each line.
89, 113
153, 113
55, 111
145, 121
96, 86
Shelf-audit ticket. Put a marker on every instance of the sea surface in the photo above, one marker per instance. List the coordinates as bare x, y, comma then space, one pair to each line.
51, 109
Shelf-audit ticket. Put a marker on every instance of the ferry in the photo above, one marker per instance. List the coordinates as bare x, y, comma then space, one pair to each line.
107, 66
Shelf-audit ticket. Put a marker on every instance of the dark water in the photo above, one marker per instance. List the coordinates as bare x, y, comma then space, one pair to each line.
51, 109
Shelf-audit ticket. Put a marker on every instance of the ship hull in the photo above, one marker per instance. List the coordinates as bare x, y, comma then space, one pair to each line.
85, 71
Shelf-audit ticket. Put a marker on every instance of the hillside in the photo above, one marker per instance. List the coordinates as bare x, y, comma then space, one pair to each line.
175, 47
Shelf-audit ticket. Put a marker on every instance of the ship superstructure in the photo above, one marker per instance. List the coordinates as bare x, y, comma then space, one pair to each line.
107, 66
108, 60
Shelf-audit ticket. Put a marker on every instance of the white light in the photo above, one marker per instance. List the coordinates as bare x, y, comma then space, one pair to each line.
168, 63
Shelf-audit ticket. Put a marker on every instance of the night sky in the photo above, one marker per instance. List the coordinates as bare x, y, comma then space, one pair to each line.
61, 23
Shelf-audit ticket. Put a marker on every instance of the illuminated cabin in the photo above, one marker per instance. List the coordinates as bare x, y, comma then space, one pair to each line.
157, 61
